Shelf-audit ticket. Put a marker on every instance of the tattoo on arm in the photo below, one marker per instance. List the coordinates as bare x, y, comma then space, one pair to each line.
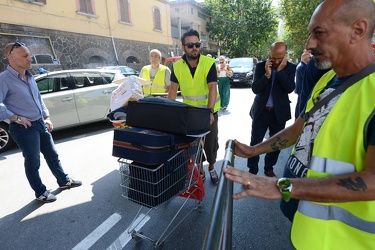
354, 185
279, 144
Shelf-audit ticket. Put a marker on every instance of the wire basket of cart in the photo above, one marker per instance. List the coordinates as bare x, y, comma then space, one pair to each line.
152, 186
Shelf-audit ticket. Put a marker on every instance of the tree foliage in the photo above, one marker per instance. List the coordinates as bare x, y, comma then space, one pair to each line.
243, 27
296, 15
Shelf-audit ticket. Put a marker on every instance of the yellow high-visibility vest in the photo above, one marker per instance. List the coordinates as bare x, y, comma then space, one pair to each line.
194, 91
158, 84
339, 148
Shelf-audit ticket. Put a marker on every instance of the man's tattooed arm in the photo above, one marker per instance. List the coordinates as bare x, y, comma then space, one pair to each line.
355, 185
279, 144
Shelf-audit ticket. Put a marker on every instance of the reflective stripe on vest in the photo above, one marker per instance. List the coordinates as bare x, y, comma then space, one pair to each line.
323, 212
330, 166
195, 98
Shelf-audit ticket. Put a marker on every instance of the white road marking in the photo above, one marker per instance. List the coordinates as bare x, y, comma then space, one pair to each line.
125, 237
93, 237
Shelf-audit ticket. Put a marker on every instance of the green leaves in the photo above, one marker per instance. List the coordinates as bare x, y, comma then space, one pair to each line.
296, 15
244, 27
249, 27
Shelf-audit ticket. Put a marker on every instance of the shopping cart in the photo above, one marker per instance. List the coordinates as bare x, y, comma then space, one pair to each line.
151, 187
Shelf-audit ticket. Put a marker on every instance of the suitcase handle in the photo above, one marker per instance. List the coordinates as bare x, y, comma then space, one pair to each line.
150, 149
182, 146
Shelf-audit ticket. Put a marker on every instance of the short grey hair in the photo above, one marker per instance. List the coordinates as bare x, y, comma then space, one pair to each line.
157, 51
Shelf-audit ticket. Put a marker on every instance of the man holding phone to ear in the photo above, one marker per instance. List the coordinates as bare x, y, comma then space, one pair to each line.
273, 81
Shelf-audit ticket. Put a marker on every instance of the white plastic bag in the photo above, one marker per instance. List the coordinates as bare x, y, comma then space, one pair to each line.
129, 90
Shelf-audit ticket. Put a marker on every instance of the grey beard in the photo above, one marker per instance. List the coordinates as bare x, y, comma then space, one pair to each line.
323, 65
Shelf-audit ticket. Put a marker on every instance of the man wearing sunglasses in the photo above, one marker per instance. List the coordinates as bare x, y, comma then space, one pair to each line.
30, 125
197, 77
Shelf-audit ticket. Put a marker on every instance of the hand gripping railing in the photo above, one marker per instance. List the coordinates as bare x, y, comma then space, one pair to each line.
219, 231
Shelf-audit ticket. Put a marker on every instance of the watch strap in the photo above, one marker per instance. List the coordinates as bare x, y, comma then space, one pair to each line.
285, 194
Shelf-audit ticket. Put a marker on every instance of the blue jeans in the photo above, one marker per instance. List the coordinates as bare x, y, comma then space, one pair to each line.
32, 141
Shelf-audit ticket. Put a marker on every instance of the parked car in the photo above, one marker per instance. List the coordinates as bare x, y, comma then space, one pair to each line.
125, 70
73, 97
243, 71
169, 61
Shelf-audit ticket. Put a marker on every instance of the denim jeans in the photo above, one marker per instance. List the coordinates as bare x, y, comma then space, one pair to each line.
32, 141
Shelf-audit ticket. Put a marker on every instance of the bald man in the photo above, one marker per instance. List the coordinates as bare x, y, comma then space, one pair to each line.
273, 81
335, 147
30, 125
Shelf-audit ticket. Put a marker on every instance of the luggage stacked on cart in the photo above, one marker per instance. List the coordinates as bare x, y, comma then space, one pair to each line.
157, 148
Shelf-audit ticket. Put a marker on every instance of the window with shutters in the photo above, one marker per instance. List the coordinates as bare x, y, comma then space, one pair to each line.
157, 18
86, 6
124, 11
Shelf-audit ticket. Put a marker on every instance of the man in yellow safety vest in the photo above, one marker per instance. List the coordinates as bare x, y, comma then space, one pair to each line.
157, 74
197, 77
334, 145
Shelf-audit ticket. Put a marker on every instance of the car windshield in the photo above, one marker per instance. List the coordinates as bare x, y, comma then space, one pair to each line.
241, 63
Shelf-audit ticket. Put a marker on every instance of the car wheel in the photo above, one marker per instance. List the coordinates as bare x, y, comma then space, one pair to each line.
6, 140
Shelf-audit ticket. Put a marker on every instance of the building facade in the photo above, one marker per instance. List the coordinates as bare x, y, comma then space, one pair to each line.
95, 33
86, 33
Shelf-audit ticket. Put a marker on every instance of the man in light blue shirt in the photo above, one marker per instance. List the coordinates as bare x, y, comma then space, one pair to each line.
30, 125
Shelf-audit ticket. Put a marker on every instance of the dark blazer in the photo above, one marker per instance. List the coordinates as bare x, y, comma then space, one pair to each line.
283, 85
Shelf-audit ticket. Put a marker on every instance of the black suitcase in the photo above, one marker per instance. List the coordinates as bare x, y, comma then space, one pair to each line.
148, 146
168, 115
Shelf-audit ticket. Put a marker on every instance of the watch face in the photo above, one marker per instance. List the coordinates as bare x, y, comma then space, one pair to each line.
283, 183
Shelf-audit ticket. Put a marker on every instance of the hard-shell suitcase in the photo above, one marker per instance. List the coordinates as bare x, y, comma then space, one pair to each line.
147, 146
169, 116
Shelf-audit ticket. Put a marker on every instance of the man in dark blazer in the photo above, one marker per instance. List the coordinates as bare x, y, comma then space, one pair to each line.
273, 81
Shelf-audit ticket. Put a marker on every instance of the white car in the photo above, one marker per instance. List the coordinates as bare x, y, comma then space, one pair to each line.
73, 97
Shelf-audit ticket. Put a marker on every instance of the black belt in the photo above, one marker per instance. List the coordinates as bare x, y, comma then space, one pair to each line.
39, 120
268, 108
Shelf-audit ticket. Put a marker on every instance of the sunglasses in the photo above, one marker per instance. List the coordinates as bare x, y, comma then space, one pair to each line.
16, 45
221, 62
191, 45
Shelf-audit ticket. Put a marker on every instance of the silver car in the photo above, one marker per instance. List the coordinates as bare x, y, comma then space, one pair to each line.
73, 97
125, 70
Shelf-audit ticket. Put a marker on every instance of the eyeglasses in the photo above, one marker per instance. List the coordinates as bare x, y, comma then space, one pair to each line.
276, 59
191, 45
16, 45
221, 62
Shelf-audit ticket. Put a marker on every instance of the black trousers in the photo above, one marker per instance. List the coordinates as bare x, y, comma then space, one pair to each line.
266, 121
211, 144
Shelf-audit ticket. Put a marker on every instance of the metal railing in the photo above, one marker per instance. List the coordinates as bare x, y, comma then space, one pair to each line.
219, 231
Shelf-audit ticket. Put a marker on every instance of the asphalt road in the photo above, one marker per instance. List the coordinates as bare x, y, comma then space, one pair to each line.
96, 216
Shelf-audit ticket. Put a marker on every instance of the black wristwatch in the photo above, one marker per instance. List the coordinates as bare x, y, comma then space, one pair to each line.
212, 111
285, 187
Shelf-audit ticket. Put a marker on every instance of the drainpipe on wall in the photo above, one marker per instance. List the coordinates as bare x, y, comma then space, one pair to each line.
114, 48
110, 32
